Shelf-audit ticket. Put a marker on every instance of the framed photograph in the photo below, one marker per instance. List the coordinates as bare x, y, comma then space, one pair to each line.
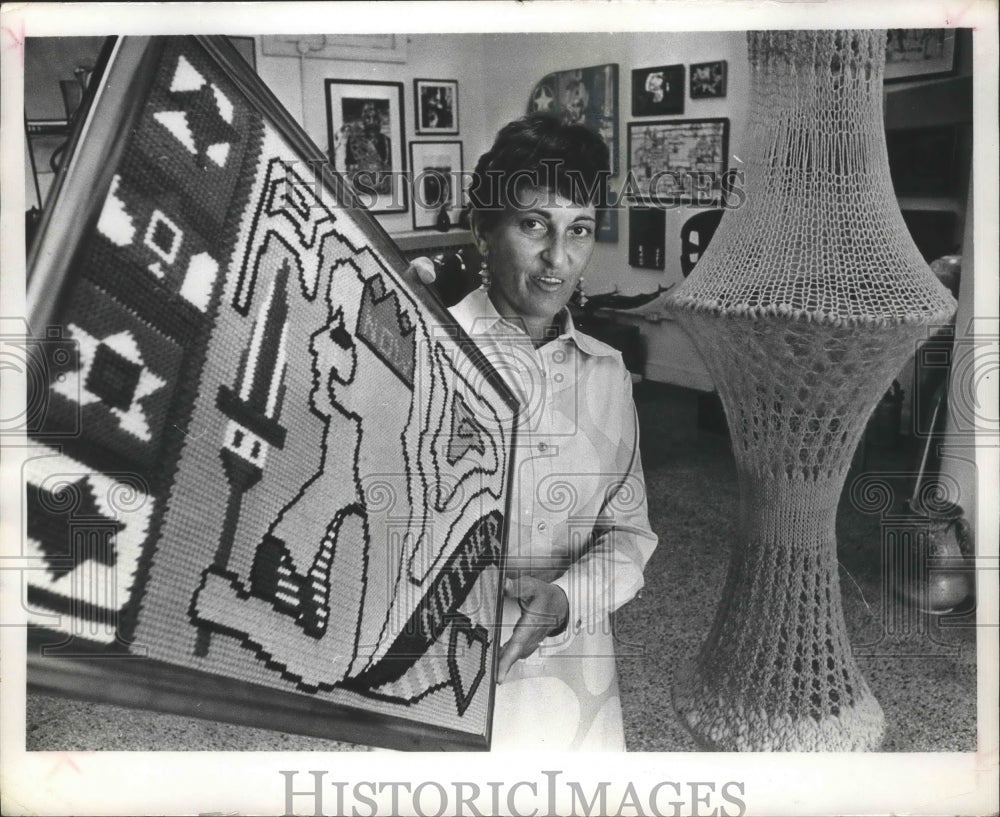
919, 53
658, 91
284, 567
437, 184
366, 133
647, 236
679, 160
708, 80
436, 104
585, 96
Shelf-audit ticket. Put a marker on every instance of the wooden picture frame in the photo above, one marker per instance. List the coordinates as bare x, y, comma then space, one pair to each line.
919, 53
435, 105
708, 79
658, 91
281, 568
436, 168
679, 160
366, 134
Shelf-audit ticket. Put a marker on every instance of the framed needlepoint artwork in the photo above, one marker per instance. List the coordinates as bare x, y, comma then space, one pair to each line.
265, 478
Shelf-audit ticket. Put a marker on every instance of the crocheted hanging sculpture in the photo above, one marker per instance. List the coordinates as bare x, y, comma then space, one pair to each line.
809, 300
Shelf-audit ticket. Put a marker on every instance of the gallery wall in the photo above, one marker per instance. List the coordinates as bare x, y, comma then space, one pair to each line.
496, 74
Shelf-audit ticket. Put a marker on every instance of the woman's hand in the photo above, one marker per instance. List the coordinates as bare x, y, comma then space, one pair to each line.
544, 608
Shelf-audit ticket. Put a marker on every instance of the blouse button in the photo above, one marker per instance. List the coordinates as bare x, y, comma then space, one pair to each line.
543, 447
542, 526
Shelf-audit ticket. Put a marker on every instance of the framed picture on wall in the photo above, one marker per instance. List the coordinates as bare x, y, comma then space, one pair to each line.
679, 160
582, 96
708, 80
919, 53
647, 236
437, 184
658, 91
436, 104
366, 133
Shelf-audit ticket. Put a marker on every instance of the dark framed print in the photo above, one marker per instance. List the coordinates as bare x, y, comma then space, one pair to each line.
678, 160
436, 104
658, 91
366, 131
919, 53
584, 96
325, 554
436, 168
647, 236
708, 80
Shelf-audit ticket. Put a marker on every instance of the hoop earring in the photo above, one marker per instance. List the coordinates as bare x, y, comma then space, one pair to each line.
484, 276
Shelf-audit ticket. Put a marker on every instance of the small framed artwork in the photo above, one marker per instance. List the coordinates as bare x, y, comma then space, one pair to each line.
365, 131
919, 53
436, 104
437, 184
658, 91
679, 160
647, 232
708, 80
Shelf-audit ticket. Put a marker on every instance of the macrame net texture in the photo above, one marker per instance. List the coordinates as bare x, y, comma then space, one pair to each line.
820, 236
776, 671
807, 302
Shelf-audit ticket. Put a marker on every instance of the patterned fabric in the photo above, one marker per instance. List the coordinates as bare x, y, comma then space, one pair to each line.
805, 306
577, 519
288, 474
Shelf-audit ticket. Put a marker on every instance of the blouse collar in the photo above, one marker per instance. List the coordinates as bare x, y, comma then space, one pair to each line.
478, 317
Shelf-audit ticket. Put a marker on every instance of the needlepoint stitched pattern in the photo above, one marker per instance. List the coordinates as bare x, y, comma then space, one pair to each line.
322, 477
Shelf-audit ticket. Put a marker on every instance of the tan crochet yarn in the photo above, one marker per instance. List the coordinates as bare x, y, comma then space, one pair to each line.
807, 303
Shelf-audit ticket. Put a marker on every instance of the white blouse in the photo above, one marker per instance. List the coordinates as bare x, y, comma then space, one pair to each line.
578, 513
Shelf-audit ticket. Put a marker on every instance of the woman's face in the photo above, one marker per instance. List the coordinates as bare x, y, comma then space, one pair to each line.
537, 253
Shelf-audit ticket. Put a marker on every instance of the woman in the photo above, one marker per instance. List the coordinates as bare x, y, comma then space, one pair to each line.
578, 532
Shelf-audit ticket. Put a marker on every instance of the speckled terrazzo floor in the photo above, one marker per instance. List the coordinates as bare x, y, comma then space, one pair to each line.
926, 683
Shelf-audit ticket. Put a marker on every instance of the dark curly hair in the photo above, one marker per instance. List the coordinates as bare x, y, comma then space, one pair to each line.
539, 151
